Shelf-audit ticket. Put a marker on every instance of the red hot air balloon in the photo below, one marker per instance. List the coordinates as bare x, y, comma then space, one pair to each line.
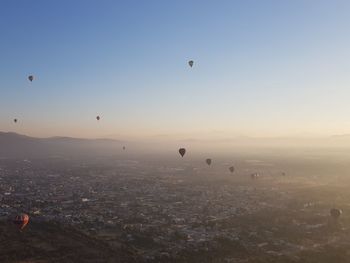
21, 221
182, 151
208, 161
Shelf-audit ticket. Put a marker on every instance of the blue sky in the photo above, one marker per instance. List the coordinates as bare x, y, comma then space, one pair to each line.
262, 68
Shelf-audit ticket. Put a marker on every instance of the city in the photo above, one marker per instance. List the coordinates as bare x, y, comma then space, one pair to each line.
169, 212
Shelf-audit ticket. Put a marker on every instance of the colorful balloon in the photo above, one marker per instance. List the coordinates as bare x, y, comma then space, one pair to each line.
21, 221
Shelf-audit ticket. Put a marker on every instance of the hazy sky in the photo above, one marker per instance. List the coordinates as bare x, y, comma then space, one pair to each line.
262, 68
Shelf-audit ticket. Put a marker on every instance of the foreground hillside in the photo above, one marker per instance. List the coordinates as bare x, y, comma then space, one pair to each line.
50, 242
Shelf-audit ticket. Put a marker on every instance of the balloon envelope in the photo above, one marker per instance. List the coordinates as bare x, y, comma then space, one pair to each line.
182, 151
190, 63
335, 213
254, 175
231, 169
208, 161
98, 118
123, 147
21, 220
30, 78
15, 120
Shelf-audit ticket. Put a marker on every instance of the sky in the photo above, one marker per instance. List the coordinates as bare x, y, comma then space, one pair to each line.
261, 68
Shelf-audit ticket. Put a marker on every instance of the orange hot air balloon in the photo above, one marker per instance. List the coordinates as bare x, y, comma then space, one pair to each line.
98, 118
231, 169
21, 221
182, 151
30, 78
208, 161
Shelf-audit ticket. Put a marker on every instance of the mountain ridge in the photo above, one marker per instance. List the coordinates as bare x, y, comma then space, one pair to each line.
18, 145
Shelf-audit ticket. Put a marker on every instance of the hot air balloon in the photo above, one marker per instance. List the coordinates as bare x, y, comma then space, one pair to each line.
190, 63
30, 78
21, 221
15, 120
254, 175
208, 161
182, 151
124, 148
98, 118
231, 169
335, 213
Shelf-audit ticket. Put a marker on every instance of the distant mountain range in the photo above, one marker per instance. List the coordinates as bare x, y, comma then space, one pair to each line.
17, 145
13, 145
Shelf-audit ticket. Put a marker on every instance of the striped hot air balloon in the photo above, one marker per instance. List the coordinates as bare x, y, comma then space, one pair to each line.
21, 221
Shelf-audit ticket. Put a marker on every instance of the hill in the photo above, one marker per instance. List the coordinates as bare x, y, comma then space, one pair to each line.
42, 242
21, 146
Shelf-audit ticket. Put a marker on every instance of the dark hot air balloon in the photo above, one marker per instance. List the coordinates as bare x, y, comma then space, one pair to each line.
208, 161
190, 63
231, 169
30, 78
98, 118
21, 221
335, 213
254, 175
124, 148
182, 151
15, 120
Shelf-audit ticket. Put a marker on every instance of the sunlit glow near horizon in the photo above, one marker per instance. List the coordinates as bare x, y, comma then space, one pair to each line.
261, 69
